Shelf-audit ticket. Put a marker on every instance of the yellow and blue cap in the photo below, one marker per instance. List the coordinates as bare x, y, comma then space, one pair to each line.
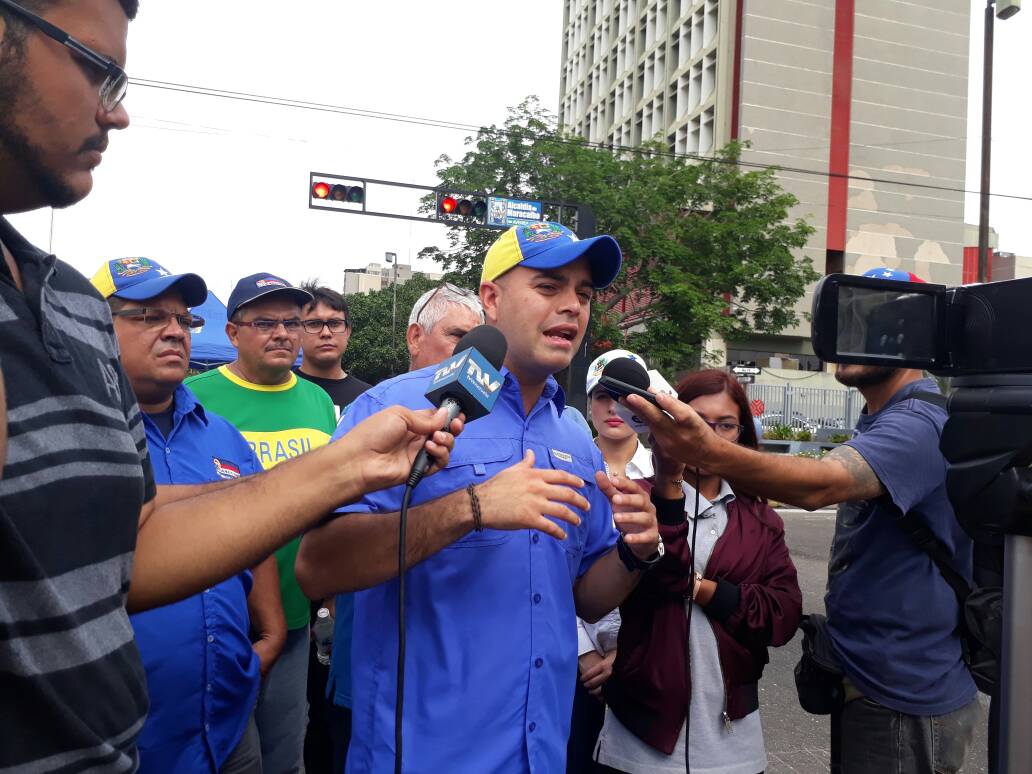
138, 279
549, 246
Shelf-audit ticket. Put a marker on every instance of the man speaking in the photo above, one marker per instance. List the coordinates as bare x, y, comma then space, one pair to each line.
505, 547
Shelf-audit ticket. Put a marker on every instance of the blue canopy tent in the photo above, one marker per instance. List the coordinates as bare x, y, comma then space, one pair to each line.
210, 347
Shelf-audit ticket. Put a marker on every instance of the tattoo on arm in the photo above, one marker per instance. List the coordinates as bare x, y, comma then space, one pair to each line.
864, 483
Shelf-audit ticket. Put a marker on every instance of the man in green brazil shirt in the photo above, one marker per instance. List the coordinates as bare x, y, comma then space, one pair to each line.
281, 416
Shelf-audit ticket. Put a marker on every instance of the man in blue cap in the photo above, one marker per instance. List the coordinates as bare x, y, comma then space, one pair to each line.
282, 417
910, 703
506, 547
202, 670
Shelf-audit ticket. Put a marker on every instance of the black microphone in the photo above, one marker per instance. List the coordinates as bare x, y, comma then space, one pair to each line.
468, 382
623, 376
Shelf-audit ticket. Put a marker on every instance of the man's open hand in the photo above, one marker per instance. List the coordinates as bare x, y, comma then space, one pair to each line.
521, 497
386, 444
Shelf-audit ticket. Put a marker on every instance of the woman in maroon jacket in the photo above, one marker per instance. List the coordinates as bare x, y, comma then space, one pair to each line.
746, 596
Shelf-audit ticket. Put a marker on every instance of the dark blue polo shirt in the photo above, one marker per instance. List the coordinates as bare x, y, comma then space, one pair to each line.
202, 673
492, 632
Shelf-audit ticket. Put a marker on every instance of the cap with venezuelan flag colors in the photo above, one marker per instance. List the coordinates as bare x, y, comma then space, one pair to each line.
893, 274
549, 246
138, 279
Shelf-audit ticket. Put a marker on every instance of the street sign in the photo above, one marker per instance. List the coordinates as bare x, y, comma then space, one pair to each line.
745, 370
745, 379
512, 212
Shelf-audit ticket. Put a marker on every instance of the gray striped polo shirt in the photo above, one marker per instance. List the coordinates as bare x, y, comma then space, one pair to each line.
72, 688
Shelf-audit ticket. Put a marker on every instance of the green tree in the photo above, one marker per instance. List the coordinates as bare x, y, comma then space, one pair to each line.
708, 245
375, 352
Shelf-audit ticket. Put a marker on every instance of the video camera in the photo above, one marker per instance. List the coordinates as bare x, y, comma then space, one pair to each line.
981, 337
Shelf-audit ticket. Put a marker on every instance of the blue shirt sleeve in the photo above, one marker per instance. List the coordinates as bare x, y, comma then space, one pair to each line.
901, 446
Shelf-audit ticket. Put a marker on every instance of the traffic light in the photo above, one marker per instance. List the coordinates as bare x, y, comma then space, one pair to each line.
345, 193
462, 208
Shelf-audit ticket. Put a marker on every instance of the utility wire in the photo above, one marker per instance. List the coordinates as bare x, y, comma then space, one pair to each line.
519, 134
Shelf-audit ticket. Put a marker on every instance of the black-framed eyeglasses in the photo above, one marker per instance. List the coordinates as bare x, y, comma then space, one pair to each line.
727, 430
438, 289
315, 325
112, 90
290, 325
156, 317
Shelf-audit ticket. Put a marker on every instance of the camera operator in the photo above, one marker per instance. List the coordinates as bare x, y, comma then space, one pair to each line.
910, 702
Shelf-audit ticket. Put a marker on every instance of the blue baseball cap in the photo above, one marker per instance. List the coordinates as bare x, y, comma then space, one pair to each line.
138, 279
548, 246
893, 274
262, 285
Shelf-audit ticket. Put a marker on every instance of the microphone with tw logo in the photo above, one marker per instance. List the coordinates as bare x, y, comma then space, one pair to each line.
468, 382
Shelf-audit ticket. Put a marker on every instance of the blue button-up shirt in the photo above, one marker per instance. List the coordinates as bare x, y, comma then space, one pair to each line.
492, 633
202, 673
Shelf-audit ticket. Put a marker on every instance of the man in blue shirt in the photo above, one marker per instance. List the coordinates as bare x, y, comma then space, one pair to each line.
911, 704
202, 670
492, 637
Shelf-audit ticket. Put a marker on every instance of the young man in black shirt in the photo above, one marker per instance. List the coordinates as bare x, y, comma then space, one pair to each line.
327, 329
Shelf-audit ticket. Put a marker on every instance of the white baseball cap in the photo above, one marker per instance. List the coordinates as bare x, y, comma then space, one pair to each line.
600, 362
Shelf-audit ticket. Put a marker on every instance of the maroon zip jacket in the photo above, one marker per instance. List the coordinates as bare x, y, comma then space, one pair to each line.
757, 604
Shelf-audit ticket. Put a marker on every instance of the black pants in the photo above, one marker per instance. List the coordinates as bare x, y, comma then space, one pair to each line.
588, 714
329, 726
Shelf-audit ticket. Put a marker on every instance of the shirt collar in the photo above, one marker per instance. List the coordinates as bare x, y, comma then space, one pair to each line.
552, 393
724, 496
20, 247
640, 465
903, 393
186, 403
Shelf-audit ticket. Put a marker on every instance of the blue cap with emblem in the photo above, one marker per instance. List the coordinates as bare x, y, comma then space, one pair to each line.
139, 279
261, 285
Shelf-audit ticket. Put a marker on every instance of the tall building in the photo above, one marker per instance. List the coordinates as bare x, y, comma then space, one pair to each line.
376, 276
862, 105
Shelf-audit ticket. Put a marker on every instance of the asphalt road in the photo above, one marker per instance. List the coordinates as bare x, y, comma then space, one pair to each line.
797, 742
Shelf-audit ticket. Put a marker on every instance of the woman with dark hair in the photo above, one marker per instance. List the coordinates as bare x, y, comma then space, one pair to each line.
678, 674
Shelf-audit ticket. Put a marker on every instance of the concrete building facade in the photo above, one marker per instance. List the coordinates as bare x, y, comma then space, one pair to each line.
863, 106
377, 276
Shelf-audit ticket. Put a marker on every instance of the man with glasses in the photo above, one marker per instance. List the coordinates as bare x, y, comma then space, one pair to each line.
202, 670
324, 340
85, 535
439, 318
281, 416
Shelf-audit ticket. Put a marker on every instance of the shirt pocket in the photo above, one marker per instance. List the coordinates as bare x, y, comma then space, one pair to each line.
476, 463
576, 537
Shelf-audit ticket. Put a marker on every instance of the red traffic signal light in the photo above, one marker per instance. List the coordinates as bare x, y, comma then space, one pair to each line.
455, 207
338, 192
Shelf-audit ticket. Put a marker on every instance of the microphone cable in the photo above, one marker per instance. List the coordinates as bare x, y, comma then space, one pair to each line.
688, 639
399, 697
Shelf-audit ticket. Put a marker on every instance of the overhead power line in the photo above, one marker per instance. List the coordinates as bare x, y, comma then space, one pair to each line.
518, 134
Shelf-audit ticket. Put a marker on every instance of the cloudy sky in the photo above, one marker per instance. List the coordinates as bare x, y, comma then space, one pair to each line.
220, 187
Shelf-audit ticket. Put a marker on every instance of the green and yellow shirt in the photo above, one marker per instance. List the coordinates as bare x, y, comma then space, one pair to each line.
279, 422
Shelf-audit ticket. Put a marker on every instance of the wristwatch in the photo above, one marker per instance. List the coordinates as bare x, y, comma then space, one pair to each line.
632, 562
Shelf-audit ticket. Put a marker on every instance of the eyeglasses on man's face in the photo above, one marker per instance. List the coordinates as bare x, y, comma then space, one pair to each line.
291, 325
156, 317
315, 325
115, 83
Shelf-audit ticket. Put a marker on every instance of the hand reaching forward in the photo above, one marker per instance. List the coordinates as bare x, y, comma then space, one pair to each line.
522, 496
633, 513
386, 444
